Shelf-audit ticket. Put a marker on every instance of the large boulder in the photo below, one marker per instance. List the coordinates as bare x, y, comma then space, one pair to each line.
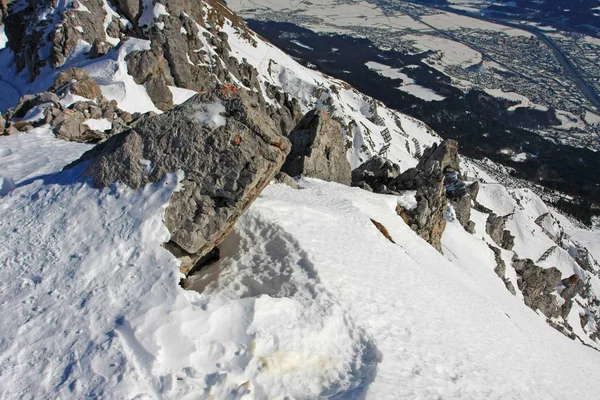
427, 219
375, 174
494, 226
79, 82
445, 153
318, 149
226, 146
537, 284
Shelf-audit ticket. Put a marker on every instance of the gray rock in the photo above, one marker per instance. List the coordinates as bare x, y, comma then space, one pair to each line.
462, 207
79, 82
446, 154
29, 101
536, 284
427, 219
130, 8
283, 178
494, 226
474, 190
100, 48
225, 166
69, 128
75, 26
376, 173
500, 269
318, 149
573, 286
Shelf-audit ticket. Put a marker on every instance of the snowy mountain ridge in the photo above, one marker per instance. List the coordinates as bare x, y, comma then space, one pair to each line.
309, 299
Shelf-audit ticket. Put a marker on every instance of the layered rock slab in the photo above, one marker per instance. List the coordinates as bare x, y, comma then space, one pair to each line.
226, 146
318, 149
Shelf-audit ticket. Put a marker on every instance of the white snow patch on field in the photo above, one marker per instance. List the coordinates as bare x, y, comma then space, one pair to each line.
450, 52
421, 92
298, 43
408, 85
522, 101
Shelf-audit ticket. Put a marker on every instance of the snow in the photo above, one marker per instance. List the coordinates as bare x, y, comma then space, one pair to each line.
409, 86
209, 114
298, 43
519, 157
180, 95
309, 299
110, 72
3, 38
101, 124
150, 13
522, 101
421, 92
591, 118
449, 51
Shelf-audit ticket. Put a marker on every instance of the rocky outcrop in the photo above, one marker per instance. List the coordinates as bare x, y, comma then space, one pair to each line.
459, 196
444, 153
494, 227
225, 144
149, 68
318, 149
78, 82
500, 269
375, 174
79, 121
536, 284
427, 218
41, 34
437, 179
572, 287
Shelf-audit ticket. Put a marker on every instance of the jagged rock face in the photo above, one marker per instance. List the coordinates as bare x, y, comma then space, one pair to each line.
430, 179
494, 226
226, 146
318, 149
41, 34
375, 174
573, 286
459, 195
537, 283
149, 68
427, 219
446, 154
500, 269
130, 8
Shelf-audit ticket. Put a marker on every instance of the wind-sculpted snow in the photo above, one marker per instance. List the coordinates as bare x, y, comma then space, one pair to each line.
309, 300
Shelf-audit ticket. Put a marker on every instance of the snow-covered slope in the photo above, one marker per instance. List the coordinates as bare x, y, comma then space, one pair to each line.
309, 300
